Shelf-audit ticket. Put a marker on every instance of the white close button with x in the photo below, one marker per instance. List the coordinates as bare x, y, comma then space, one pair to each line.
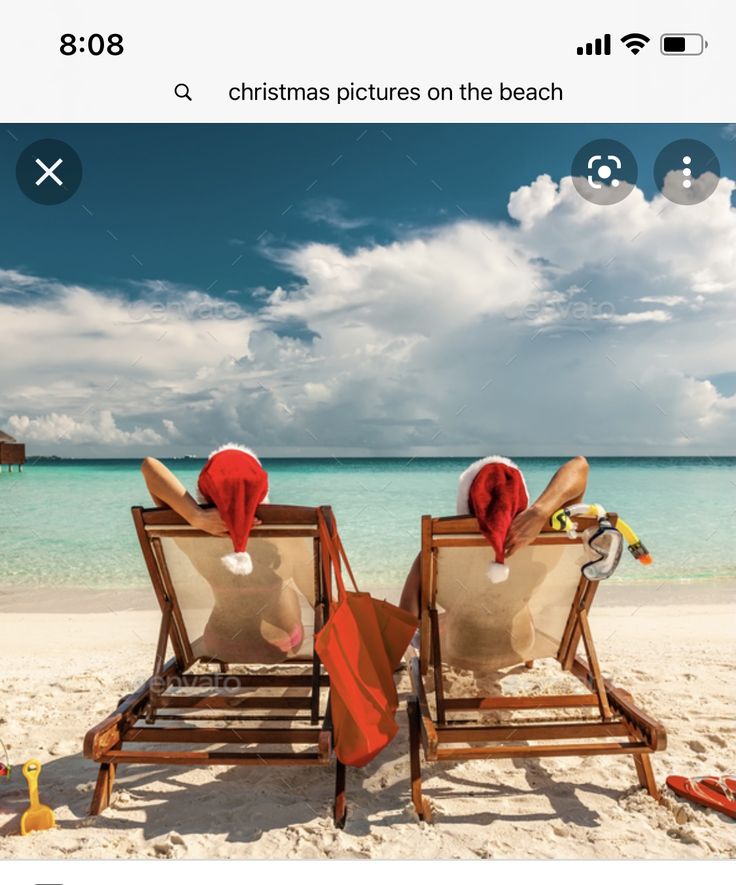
41, 167
48, 172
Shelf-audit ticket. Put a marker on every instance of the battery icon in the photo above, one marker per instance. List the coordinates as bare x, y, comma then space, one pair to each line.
682, 44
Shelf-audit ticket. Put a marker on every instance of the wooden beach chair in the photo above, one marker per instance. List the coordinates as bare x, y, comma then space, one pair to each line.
541, 611
238, 690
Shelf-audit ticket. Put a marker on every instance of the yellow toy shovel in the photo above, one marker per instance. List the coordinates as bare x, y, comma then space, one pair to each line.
37, 817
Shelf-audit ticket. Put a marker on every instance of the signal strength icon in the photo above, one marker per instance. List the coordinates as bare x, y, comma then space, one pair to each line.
635, 42
600, 46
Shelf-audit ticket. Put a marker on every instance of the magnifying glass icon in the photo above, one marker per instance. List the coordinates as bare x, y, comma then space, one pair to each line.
181, 90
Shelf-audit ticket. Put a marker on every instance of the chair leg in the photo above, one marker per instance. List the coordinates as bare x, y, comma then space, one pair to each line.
103, 788
646, 775
529, 664
341, 807
421, 805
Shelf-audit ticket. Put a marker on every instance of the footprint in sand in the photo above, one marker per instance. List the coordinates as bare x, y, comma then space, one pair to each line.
172, 845
684, 835
121, 797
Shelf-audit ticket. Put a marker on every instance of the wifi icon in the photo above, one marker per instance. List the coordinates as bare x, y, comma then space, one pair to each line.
635, 42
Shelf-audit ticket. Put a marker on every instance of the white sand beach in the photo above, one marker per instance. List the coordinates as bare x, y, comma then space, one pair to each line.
672, 647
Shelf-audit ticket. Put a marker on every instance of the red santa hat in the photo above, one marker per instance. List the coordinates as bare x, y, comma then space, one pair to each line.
494, 491
234, 481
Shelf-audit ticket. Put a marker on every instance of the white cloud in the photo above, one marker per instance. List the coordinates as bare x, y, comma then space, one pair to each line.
333, 213
435, 280
13, 280
531, 202
528, 337
61, 428
667, 300
642, 316
171, 429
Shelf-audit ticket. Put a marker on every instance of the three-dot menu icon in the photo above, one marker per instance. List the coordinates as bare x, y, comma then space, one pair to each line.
687, 171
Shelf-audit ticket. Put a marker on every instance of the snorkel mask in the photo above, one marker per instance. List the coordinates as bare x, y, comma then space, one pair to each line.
604, 541
606, 545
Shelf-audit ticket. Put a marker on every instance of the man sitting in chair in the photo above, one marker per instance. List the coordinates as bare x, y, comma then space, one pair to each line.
494, 491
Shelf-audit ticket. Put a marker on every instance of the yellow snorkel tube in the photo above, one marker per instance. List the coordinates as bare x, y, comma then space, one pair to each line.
636, 548
563, 521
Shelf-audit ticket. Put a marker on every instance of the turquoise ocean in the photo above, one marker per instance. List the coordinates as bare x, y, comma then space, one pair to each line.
66, 523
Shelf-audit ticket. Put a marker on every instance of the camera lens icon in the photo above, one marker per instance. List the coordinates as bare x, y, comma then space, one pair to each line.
604, 172
600, 171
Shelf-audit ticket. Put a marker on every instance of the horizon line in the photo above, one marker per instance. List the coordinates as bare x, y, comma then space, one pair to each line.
337, 458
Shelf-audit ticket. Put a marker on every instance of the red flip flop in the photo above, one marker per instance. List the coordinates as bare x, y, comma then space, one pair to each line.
725, 784
712, 792
4, 766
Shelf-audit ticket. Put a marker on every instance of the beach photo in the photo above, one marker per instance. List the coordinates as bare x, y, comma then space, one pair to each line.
461, 369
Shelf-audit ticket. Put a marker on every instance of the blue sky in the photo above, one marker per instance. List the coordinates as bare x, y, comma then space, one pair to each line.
187, 200
345, 248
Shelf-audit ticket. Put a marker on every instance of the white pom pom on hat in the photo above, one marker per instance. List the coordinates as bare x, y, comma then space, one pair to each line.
238, 563
497, 572
236, 483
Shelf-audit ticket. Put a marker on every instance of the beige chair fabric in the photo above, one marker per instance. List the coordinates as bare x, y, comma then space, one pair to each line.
266, 617
486, 626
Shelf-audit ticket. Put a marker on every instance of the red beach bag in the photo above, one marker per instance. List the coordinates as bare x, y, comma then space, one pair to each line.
360, 645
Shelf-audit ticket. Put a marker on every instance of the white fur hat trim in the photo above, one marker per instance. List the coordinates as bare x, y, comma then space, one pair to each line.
237, 448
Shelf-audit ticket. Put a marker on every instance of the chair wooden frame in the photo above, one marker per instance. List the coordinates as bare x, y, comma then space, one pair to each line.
153, 715
616, 727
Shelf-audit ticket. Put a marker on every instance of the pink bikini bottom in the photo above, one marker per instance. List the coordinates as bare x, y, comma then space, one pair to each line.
251, 649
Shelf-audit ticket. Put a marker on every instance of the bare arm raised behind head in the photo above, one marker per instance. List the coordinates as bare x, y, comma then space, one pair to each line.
167, 491
567, 486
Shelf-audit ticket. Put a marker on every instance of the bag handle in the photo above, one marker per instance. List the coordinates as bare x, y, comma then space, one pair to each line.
344, 556
337, 555
332, 558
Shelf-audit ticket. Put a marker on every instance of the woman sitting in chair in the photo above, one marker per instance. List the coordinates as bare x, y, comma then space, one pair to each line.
234, 481
494, 491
